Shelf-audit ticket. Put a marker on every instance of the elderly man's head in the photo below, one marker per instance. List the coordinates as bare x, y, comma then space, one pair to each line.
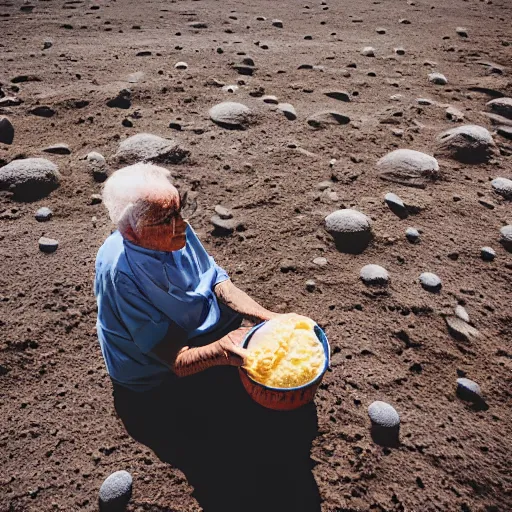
145, 206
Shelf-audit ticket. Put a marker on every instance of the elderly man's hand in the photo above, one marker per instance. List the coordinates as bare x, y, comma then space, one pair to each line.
231, 344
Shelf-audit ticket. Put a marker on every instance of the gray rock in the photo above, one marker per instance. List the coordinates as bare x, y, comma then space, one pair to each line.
368, 51
326, 118
145, 147
503, 187
30, 178
460, 329
396, 205
223, 227
425, 101
504, 131
467, 144
48, 244
44, 214
400, 51
277, 23
272, 100
288, 110
380, 30
197, 24
223, 213
244, 69
95, 159
42, 111
58, 149
115, 491
408, 167
463, 32
47, 44
412, 234
231, 115
437, 78
468, 390
320, 261
430, 282
372, 275
501, 106
487, 253
10, 101
454, 114
495, 119
6, 131
404, 21
310, 285
122, 100
350, 229
460, 312
181, 65
383, 415
339, 95
230, 88
324, 185
96, 199
505, 236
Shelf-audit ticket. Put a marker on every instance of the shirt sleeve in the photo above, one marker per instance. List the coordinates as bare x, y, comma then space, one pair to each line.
145, 324
222, 275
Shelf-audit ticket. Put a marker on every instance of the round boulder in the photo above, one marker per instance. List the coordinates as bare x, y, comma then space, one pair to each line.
470, 144
503, 187
30, 179
506, 237
231, 115
408, 167
145, 147
501, 106
350, 229
430, 282
374, 275
115, 491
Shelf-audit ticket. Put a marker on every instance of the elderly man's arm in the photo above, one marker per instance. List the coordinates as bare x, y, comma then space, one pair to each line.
239, 301
184, 360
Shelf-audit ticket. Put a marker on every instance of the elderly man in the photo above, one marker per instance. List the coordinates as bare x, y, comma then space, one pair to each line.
166, 312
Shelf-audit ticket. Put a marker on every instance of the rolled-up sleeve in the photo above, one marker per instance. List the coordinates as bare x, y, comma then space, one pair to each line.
146, 325
222, 275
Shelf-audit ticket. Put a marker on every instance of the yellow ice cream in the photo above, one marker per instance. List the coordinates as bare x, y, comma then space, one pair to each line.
285, 352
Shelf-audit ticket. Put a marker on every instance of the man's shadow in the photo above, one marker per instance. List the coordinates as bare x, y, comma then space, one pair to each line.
236, 454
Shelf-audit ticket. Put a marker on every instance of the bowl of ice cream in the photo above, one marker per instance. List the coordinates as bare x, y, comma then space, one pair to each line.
287, 359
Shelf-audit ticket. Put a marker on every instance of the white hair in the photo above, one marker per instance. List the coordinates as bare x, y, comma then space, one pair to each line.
136, 194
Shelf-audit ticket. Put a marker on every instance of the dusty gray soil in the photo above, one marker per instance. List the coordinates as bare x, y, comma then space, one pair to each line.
59, 434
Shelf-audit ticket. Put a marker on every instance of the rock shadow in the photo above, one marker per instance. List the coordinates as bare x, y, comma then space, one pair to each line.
352, 243
387, 437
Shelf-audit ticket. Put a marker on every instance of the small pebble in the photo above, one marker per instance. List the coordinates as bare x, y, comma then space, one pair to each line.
310, 285
487, 253
461, 313
320, 261
383, 415
463, 32
277, 23
368, 51
437, 78
43, 214
430, 282
412, 235
223, 213
374, 275
115, 491
468, 390
396, 205
96, 199
181, 65
48, 244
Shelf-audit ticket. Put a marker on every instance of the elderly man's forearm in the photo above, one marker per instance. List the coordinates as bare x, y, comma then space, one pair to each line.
239, 301
196, 359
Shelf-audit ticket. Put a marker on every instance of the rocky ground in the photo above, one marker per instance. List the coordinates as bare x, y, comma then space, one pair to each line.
85, 75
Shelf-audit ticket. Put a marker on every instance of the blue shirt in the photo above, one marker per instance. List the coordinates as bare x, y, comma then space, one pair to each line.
140, 292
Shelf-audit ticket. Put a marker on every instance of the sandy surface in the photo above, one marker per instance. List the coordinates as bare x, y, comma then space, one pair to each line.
59, 434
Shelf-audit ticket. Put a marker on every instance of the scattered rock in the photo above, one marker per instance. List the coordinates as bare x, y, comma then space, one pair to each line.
326, 118
460, 312
368, 51
396, 205
454, 114
437, 78
96, 159
374, 275
505, 235
430, 282
463, 32
42, 111
383, 415
197, 24
231, 115
115, 492
412, 234
48, 244
288, 110
380, 30
44, 214
408, 167
310, 285
30, 178
58, 149
501, 106
47, 44
122, 100
468, 390
425, 101
350, 229
244, 69
487, 253
272, 100
504, 131
339, 95
181, 65
230, 88
277, 23
400, 51
224, 227
6, 131
96, 199
404, 21
503, 187
469, 144
150, 148
223, 213
320, 261
10, 101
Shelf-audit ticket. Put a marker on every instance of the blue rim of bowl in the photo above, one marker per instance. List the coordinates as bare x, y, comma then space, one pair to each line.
320, 334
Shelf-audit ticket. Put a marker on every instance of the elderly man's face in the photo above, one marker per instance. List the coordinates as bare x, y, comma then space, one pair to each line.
167, 231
